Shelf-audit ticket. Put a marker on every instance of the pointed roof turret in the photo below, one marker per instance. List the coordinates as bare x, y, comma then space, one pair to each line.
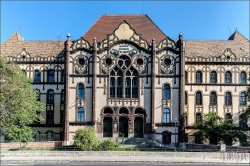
237, 36
15, 37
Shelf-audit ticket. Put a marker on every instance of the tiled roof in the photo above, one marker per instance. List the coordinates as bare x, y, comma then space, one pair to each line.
238, 44
142, 24
15, 43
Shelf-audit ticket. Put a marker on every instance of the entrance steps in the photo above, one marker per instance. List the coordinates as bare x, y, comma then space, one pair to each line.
145, 143
137, 142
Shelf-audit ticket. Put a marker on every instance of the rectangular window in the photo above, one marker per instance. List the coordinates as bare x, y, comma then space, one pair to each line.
80, 114
166, 115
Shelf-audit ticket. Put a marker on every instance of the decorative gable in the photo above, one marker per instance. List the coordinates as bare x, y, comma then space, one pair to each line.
124, 32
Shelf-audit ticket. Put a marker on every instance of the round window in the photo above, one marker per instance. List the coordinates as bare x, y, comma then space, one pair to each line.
228, 57
167, 61
108, 61
81, 61
139, 61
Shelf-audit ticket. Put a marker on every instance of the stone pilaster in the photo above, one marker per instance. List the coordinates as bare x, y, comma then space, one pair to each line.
94, 82
153, 85
66, 90
181, 135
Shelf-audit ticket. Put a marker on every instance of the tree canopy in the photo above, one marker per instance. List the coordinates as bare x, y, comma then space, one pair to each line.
216, 129
19, 106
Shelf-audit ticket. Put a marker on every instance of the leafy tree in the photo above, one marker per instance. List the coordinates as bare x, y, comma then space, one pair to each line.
18, 103
85, 138
215, 129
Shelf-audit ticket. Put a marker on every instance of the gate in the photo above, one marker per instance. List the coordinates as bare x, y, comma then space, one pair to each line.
123, 127
107, 127
138, 128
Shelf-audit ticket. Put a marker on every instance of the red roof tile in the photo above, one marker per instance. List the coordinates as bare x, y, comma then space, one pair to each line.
142, 24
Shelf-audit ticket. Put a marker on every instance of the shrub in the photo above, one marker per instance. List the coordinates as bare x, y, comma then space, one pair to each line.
86, 139
108, 145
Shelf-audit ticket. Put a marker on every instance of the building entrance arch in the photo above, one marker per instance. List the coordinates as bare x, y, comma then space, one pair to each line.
123, 127
138, 127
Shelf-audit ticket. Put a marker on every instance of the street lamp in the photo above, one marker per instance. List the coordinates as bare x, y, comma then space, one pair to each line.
175, 133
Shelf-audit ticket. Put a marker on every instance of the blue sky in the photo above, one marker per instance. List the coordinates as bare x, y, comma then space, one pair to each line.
197, 20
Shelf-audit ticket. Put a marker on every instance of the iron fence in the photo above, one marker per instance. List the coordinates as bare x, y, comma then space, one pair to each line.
37, 138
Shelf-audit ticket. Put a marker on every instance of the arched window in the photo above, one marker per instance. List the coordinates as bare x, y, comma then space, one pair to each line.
166, 91
62, 76
228, 77
186, 77
80, 114
198, 98
243, 77
213, 98
166, 115
213, 77
186, 98
50, 76
24, 72
198, 77
243, 98
198, 117
50, 96
123, 81
81, 91
243, 121
228, 98
62, 96
37, 77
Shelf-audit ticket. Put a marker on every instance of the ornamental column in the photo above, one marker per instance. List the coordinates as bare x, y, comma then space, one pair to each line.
153, 86
94, 81
181, 135
67, 45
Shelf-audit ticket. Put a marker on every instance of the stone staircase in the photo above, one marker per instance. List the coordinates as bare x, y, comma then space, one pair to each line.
144, 143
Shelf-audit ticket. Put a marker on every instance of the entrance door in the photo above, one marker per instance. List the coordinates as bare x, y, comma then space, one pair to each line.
138, 128
107, 127
123, 127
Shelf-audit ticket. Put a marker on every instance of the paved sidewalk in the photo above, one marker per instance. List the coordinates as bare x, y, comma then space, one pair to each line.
30, 159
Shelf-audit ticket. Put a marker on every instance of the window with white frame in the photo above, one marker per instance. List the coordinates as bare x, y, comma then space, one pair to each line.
80, 114
166, 115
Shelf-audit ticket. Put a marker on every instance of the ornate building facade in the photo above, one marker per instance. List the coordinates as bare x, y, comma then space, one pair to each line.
126, 78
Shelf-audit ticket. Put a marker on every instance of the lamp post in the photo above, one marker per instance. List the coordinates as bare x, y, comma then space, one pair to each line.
175, 133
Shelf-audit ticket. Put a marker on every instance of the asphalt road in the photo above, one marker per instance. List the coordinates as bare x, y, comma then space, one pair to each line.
116, 164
